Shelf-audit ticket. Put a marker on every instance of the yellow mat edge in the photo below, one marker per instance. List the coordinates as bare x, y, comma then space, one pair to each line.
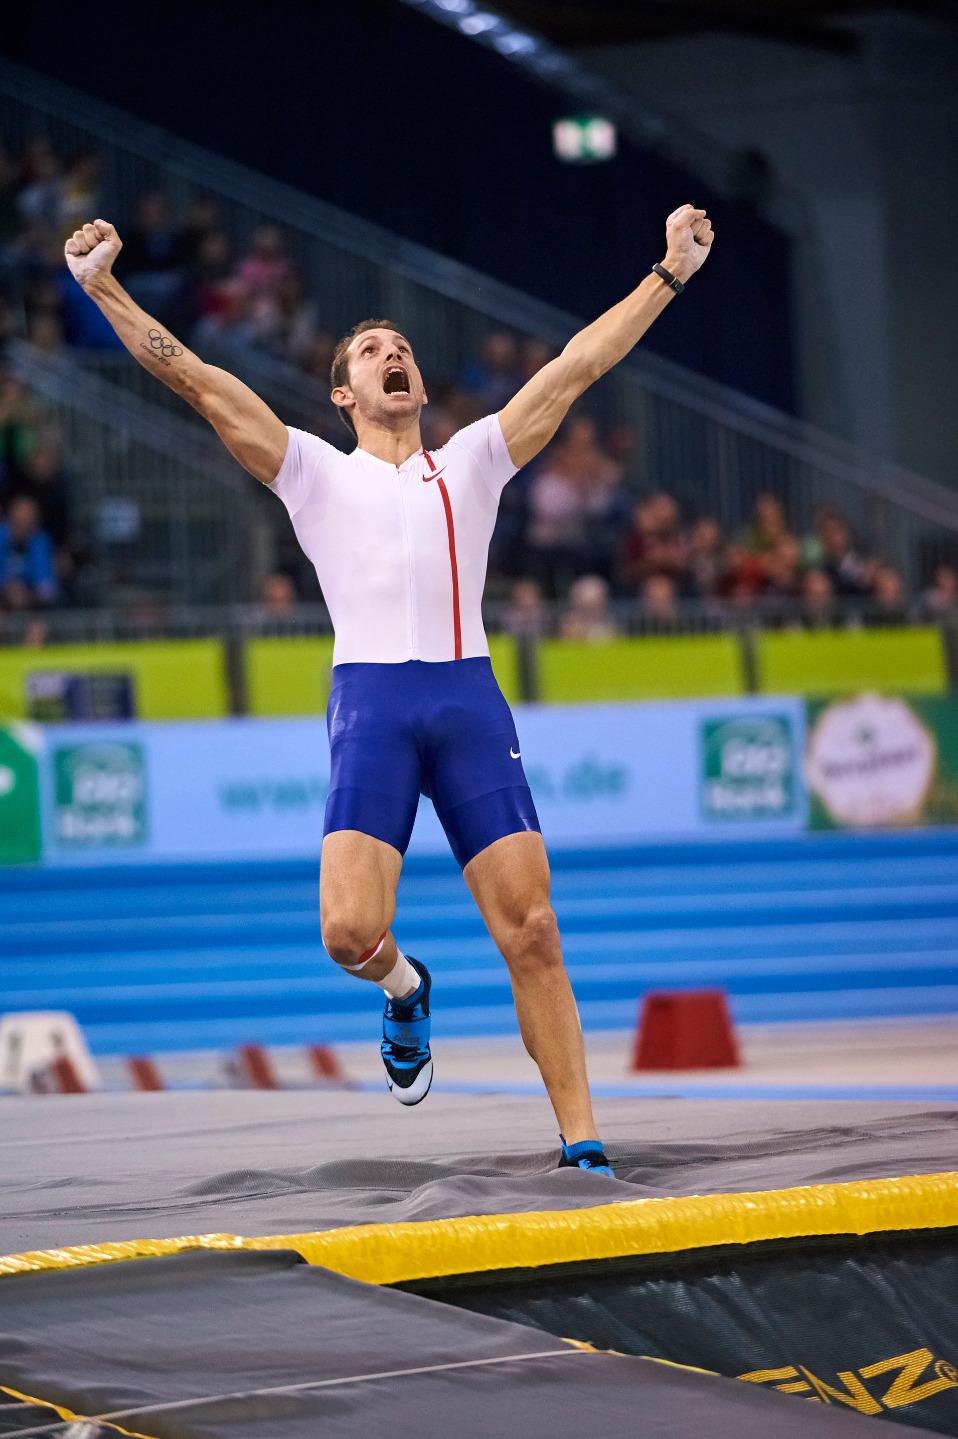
68, 1415
429, 1249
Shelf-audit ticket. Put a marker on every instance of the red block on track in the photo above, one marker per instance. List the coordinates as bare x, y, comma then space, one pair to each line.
60, 1076
144, 1073
255, 1067
323, 1062
690, 1029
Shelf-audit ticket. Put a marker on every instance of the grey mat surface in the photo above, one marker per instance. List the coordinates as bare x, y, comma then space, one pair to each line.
91, 1168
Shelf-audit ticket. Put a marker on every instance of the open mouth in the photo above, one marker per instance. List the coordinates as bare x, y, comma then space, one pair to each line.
396, 381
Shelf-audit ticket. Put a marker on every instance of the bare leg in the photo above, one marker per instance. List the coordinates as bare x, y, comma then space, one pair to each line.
357, 900
509, 881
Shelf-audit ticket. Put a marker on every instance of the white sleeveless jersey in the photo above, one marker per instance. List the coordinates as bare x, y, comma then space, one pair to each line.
400, 551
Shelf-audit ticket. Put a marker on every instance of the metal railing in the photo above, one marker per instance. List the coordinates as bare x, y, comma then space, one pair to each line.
715, 449
234, 625
166, 511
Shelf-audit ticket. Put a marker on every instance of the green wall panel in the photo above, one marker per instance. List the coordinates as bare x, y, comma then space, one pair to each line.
833, 661
172, 679
657, 667
288, 675
505, 665
291, 675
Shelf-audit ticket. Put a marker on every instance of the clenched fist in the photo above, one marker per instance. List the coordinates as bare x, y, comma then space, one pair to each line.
688, 234
90, 251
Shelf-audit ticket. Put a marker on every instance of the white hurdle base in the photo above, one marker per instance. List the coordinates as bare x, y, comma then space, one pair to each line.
44, 1051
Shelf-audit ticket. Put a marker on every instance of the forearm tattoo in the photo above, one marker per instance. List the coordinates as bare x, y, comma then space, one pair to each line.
161, 347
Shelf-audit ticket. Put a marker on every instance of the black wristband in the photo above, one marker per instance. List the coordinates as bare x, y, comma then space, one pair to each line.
670, 280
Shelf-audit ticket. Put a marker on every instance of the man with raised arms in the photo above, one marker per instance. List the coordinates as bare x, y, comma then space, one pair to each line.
399, 538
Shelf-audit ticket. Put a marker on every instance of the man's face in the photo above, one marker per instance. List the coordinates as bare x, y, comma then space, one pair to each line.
24, 518
384, 381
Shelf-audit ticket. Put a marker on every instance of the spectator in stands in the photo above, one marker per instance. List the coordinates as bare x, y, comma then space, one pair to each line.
744, 578
832, 550
79, 192
818, 598
44, 479
768, 525
533, 354
151, 260
27, 577
588, 616
39, 201
658, 597
654, 545
941, 596
10, 219
231, 323
574, 504
891, 603
202, 220
706, 560
622, 447
279, 593
45, 333
783, 568
263, 271
493, 379
527, 615
284, 321
318, 359
438, 427
19, 420
6, 322
206, 281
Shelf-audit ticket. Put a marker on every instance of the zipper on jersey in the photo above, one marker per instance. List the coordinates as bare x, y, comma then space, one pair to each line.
413, 638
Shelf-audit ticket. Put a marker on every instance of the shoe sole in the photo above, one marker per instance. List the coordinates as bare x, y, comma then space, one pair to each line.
417, 1091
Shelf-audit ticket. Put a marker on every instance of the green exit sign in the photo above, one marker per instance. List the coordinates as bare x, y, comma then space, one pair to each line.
584, 139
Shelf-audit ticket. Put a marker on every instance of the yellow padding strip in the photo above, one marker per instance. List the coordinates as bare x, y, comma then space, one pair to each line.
68, 1414
396, 1253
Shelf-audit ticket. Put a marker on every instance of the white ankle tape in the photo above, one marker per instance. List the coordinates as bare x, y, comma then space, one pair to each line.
402, 979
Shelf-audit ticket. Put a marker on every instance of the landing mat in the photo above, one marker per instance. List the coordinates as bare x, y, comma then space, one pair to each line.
863, 1323
210, 1345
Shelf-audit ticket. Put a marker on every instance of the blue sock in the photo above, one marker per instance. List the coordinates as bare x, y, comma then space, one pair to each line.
584, 1146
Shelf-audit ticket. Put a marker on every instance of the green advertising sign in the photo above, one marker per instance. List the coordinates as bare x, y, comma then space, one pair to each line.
878, 761
747, 768
99, 795
20, 841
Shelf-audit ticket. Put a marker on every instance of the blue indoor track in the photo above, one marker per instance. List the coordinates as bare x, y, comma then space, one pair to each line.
207, 956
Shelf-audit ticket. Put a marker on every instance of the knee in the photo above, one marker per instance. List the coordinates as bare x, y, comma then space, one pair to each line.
348, 940
535, 942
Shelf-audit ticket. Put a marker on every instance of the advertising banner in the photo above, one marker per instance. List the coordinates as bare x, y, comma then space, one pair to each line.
250, 788
20, 838
880, 761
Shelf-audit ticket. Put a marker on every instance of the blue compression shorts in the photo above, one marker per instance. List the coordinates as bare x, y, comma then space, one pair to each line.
440, 729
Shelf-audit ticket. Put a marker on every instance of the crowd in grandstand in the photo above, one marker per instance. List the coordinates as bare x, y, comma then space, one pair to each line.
579, 534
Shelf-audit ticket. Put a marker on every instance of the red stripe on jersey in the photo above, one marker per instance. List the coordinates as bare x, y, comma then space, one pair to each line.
453, 562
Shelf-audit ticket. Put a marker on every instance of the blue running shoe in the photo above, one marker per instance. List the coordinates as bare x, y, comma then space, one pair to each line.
405, 1046
587, 1154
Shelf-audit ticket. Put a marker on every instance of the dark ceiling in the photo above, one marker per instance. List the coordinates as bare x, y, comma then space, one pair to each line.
816, 23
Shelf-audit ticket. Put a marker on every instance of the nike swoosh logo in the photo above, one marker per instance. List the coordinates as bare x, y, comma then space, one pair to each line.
513, 753
434, 476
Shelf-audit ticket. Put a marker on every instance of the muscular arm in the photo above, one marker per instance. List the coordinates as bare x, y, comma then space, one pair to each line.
532, 417
247, 426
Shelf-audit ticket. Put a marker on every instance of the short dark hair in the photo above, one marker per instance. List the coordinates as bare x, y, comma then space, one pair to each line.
339, 372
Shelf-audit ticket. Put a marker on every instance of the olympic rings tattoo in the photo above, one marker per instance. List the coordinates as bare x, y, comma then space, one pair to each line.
164, 346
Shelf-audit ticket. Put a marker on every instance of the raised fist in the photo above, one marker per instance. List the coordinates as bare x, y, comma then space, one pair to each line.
688, 234
90, 251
